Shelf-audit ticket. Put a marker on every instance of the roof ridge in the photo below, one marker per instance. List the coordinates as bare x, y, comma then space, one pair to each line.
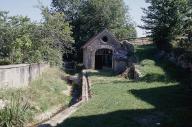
94, 37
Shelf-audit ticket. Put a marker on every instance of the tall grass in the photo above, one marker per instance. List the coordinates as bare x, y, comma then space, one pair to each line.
16, 113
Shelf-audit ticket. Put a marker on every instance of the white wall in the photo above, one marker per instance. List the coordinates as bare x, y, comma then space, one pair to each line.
16, 76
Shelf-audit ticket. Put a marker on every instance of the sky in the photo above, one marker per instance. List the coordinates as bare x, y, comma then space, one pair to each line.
28, 8
136, 13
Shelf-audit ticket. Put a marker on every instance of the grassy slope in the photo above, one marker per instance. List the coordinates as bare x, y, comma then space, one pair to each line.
157, 98
43, 93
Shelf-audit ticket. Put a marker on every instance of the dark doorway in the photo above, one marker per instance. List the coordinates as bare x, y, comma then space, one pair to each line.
103, 58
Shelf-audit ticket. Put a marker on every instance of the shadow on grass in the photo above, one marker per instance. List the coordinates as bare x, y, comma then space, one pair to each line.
127, 118
102, 73
122, 118
172, 71
152, 77
166, 98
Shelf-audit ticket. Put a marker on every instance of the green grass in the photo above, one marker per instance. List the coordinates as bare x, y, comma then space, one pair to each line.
160, 98
43, 93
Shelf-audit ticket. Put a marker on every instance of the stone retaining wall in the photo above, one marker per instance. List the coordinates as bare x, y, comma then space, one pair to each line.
16, 76
141, 41
85, 86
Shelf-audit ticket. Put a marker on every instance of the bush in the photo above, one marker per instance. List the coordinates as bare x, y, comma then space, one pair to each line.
16, 113
4, 62
186, 54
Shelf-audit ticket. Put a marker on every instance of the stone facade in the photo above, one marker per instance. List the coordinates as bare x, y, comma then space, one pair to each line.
105, 40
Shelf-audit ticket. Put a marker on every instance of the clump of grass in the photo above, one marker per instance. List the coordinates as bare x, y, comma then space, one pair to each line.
16, 113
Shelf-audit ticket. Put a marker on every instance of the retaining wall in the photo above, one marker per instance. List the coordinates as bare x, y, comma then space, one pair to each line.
16, 76
85, 86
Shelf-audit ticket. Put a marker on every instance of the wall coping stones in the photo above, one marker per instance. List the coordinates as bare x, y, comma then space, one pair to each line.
13, 66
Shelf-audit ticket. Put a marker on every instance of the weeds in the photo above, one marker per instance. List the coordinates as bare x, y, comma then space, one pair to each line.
16, 112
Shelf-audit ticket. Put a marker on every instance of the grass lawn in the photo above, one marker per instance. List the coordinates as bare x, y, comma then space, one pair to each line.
42, 94
160, 99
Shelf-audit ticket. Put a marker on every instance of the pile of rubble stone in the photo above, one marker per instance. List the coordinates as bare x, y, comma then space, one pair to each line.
132, 71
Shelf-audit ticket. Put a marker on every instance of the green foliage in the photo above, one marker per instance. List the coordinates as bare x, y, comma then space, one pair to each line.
4, 62
186, 42
15, 113
58, 36
5, 33
164, 20
90, 17
22, 41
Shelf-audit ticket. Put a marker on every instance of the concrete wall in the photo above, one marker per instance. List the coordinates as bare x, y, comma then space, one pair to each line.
16, 76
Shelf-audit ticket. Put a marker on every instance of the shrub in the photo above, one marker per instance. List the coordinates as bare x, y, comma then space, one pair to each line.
4, 62
16, 113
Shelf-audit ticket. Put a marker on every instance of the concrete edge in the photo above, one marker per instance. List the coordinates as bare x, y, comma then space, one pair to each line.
13, 66
19, 65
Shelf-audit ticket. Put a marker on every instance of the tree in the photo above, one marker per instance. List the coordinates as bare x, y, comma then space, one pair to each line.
188, 22
4, 35
88, 17
164, 20
21, 29
22, 41
57, 33
16, 38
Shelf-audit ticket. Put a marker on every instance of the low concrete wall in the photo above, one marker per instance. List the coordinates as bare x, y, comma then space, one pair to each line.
16, 76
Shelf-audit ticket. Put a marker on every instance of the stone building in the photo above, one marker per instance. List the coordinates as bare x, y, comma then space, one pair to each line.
105, 51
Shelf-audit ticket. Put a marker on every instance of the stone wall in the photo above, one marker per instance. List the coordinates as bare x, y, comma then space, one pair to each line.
16, 76
119, 66
97, 43
141, 41
85, 86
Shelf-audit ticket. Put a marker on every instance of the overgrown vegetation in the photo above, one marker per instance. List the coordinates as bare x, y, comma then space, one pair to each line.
15, 113
23, 41
89, 17
160, 98
41, 95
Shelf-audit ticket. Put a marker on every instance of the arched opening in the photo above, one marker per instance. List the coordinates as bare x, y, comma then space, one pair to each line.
103, 58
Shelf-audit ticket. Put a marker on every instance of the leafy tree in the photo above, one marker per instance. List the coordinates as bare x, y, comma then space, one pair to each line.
20, 38
57, 34
88, 17
4, 35
71, 8
164, 20
188, 23
22, 41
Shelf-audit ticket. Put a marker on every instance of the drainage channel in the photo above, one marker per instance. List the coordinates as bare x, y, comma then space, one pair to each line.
80, 93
